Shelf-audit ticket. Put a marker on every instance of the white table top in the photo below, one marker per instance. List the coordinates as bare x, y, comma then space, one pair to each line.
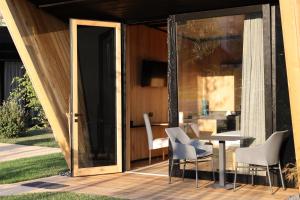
228, 136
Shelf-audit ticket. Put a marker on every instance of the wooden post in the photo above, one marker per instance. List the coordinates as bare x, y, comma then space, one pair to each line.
290, 17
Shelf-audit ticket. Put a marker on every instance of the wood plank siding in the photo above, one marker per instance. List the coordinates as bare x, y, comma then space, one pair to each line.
144, 43
44, 47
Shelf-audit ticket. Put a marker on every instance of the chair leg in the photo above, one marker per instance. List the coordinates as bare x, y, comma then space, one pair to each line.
255, 174
196, 173
256, 171
269, 178
213, 169
150, 157
252, 176
235, 175
183, 170
281, 177
248, 173
171, 170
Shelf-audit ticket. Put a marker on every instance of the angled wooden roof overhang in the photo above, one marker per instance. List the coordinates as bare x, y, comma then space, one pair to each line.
134, 11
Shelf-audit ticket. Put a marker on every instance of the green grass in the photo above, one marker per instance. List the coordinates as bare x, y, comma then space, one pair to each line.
31, 168
57, 196
34, 137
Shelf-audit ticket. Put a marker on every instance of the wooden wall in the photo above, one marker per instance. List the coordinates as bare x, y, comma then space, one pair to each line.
146, 43
44, 47
143, 42
290, 17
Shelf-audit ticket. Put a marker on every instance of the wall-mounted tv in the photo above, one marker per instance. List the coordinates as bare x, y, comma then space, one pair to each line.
154, 73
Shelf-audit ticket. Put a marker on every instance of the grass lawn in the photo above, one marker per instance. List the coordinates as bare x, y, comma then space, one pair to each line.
31, 168
56, 196
34, 137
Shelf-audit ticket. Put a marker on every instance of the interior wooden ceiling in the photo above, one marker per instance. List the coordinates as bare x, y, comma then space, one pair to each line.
134, 11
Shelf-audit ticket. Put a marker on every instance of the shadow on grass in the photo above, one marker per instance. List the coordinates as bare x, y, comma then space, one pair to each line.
33, 137
32, 168
35, 132
38, 142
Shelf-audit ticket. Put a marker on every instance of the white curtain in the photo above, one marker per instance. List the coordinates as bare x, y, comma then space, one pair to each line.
253, 92
11, 70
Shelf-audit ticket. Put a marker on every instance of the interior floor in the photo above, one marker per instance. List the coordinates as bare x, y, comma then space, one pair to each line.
157, 167
160, 167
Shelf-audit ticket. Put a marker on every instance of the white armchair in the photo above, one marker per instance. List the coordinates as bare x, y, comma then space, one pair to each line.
262, 156
188, 150
195, 129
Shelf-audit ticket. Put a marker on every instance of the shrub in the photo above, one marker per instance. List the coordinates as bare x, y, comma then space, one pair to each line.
291, 173
26, 96
12, 119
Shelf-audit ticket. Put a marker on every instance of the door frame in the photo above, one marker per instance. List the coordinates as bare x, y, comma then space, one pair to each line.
76, 171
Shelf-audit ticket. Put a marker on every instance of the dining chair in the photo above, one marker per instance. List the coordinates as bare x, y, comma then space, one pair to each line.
157, 143
263, 157
189, 151
195, 129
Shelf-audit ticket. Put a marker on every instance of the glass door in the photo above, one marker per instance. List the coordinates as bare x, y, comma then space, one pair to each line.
96, 129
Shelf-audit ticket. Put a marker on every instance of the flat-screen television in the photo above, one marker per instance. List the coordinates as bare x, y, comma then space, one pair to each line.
154, 73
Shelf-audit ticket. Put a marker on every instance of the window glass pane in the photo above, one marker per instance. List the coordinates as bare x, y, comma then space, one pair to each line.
221, 83
210, 53
97, 96
210, 70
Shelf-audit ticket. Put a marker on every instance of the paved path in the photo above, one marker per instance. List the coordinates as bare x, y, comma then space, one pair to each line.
16, 151
146, 187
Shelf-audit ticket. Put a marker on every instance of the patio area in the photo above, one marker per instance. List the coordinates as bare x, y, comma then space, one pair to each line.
136, 186
219, 77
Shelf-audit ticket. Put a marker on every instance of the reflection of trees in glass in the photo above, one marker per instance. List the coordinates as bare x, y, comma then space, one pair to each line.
207, 35
204, 48
204, 44
2, 23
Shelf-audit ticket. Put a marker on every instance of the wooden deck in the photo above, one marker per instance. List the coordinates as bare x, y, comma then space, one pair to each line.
136, 186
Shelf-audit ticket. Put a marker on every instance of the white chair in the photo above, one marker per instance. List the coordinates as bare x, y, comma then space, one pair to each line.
193, 151
195, 129
157, 143
263, 156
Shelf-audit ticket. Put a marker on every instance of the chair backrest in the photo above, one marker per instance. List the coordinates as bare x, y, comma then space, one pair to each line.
179, 142
148, 130
273, 145
195, 129
176, 134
